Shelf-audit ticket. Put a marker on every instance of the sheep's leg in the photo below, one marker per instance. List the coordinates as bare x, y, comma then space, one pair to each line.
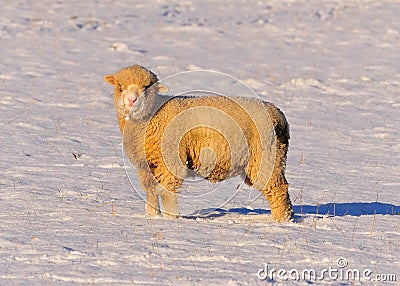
276, 193
169, 183
149, 184
169, 203
278, 197
152, 206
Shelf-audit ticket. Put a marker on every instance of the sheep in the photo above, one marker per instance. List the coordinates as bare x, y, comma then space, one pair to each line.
169, 138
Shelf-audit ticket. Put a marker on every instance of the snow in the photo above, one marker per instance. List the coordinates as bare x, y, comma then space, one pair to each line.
69, 214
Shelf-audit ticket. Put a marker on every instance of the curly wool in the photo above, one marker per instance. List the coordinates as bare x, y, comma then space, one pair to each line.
246, 137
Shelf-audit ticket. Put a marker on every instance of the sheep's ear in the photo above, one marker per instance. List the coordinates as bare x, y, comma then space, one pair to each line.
109, 78
162, 88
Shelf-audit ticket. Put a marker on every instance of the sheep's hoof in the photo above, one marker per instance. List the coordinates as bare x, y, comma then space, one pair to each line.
152, 211
282, 214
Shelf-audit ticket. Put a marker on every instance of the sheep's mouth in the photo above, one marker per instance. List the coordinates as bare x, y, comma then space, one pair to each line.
129, 105
132, 104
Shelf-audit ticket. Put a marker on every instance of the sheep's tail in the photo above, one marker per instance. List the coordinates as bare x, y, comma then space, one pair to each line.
281, 127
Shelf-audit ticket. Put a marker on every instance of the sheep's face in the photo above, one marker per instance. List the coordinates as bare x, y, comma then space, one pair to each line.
129, 99
129, 89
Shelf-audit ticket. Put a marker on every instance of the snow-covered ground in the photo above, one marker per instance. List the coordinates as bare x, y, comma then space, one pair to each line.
69, 214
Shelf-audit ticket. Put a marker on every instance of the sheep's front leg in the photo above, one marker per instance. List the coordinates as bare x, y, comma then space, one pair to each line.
169, 183
149, 184
169, 203
152, 206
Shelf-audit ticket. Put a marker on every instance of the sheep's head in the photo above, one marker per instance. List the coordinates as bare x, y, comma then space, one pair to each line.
130, 96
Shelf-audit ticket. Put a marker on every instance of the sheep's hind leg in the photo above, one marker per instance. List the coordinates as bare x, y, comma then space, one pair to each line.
278, 197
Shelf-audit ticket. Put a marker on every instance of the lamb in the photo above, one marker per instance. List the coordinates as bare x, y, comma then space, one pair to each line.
170, 138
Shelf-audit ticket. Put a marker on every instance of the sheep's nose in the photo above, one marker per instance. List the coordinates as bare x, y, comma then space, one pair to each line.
131, 100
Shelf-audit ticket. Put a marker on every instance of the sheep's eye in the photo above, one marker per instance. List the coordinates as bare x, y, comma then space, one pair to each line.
121, 87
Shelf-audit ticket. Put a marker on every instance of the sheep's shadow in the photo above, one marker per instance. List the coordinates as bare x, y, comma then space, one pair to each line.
329, 209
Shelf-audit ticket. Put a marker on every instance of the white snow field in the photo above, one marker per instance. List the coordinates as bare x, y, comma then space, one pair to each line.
69, 215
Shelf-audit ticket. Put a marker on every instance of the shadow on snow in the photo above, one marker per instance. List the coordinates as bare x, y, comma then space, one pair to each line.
329, 209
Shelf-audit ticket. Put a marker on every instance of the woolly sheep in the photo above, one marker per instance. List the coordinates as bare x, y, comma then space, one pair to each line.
170, 138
